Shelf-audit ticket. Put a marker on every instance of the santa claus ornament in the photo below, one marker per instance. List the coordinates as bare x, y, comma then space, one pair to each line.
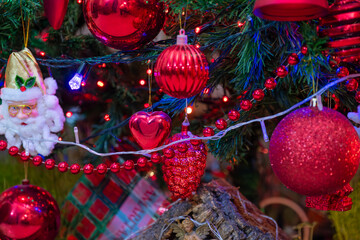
316, 153
30, 111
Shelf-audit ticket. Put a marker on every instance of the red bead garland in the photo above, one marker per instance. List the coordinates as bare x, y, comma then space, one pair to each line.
270, 83
246, 105
63, 166
208, 132
102, 168
75, 168
304, 49
129, 165
342, 72
258, 94
155, 157
3, 145
357, 96
37, 160
293, 59
221, 124
13, 151
352, 85
234, 115
88, 168
141, 162
49, 163
168, 152
115, 167
282, 71
25, 157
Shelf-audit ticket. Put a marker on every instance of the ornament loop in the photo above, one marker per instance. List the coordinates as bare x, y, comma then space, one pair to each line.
181, 39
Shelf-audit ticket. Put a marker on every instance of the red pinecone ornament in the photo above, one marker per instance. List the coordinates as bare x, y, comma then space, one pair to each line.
183, 172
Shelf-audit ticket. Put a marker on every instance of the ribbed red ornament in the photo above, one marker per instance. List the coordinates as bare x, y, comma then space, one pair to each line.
181, 70
290, 10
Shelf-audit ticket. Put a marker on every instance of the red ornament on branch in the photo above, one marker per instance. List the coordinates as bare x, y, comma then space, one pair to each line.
246, 105
352, 85
282, 71
234, 115
258, 94
270, 83
293, 59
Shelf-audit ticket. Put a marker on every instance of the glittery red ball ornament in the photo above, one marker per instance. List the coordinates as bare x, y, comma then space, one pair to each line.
141, 162
137, 22
129, 165
28, 212
24, 157
246, 105
49, 163
37, 160
208, 132
342, 72
169, 152
352, 85
304, 49
3, 145
234, 115
115, 167
315, 152
88, 168
183, 172
258, 94
101, 168
282, 71
13, 151
221, 124
293, 59
75, 168
63, 166
155, 157
181, 70
270, 83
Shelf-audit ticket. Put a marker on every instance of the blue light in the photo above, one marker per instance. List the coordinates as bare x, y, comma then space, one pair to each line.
75, 82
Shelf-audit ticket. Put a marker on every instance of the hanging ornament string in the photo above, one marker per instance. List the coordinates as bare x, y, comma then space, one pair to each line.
25, 31
150, 67
186, 10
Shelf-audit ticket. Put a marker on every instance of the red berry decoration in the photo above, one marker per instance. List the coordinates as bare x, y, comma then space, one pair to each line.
246, 105
3, 145
88, 168
25, 157
13, 151
183, 172
49, 163
221, 124
270, 83
342, 72
115, 167
304, 49
234, 115
63, 166
155, 157
258, 94
293, 59
357, 96
102, 168
75, 168
208, 132
168, 152
282, 71
352, 85
37, 160
141, 162
129, 165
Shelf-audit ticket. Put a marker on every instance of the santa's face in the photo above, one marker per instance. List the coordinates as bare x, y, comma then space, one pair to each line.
23, 113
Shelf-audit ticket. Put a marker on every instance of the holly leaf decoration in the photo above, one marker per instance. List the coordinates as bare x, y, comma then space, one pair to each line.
19, 81
30, 82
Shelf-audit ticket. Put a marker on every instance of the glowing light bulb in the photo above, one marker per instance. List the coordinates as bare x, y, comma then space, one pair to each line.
146, 105
100, 84
142, 82
149, 71
75, 82
225, 99
42, 53
107, 117
197, 30
206, 91
60, 138
189, 110
69, 114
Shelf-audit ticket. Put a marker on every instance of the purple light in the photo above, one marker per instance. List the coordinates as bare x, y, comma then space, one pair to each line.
75, 82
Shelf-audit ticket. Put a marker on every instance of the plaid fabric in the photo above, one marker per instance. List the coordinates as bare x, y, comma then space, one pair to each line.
110, 206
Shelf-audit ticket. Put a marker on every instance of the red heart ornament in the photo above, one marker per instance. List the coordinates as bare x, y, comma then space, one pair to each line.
150, 129
55, 11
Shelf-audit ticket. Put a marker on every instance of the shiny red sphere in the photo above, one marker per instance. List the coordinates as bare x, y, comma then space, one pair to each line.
182, 147
352, 85
282, 72
141, 162
75, 168
304, 49
293, 59
124, 24
270, 83
234, 115
63, 166
28, 212
357, 96
129, 165
49, 163
3, 145
169, 152
181, 71
37, 160
258, 94
24, 157
246, 105
115, 167
195, 142
208, 132
315, 152
342, 72
155, 157
102, 168
13, 151
88, 168
221, 124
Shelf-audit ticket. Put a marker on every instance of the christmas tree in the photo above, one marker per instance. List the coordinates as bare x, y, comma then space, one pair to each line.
124, 111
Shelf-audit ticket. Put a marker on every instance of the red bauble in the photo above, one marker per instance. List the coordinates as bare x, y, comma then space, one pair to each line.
342, 72
24, 157
49, 163
129, 165
270, 83
63, 166
37, 160
13, 151
181, 70
304, 49
28, 212
141, 162
150, 129
290, 10
3, 145
55, 11
75, 168
183, 172
315, 152
282, 71
125, 24
352, 85
293, 59
169, 152
357, 96
221, 124
155, 157
88, 168
234, 115
115, 167
102, 168
246, 105
258, 94
208, 132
